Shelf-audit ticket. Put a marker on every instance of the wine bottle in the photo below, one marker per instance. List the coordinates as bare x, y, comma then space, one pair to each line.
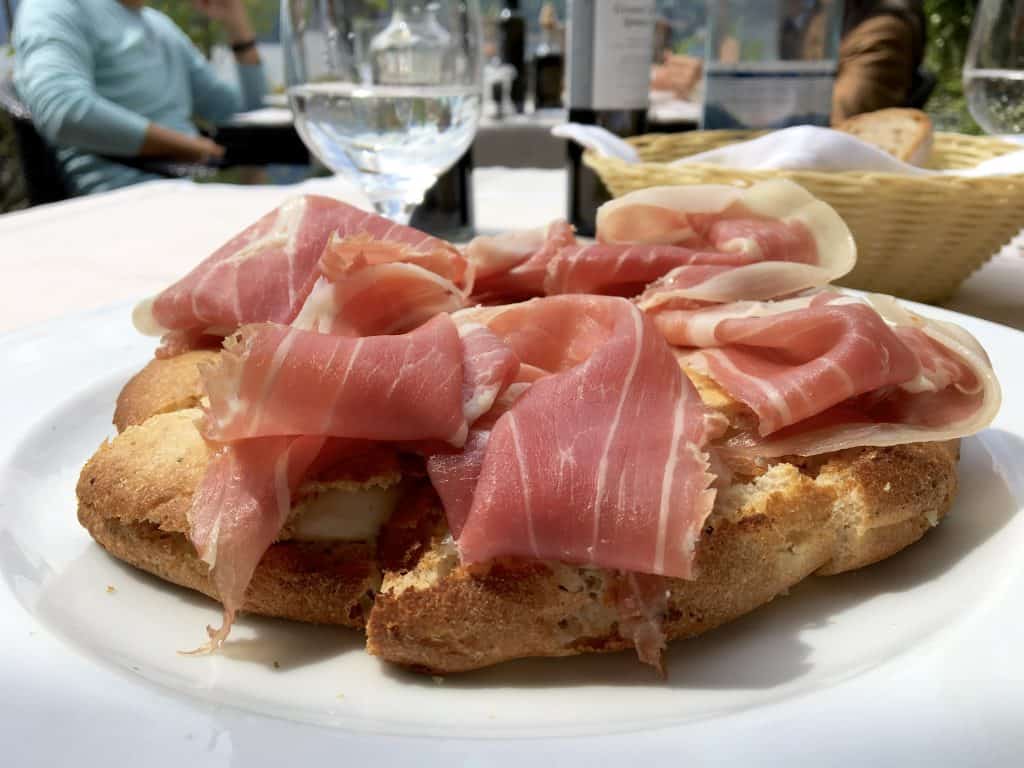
512, 48
548, 63
447, 207
610, 52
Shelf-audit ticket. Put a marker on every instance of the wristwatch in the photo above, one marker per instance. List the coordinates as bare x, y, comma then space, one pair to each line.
243, 46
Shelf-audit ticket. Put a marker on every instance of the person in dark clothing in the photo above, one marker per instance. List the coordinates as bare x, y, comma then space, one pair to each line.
879, 56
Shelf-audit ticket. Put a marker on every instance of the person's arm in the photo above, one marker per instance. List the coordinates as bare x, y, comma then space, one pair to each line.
160, 142
54, 76
214, 99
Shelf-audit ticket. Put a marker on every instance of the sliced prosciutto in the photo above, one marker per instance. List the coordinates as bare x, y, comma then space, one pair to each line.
678, 246
275, 380
238, 510
642, 602
264, 273
454, 474
788, 240
375, 287
601, 460
490, 386
489, 367
514, 265
378, 393
626, 270
829, 371
346, 255
377, 300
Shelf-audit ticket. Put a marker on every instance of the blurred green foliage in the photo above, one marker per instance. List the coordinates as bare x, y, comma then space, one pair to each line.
949, 29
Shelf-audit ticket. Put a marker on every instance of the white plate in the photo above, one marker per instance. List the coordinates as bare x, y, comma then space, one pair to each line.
916, 659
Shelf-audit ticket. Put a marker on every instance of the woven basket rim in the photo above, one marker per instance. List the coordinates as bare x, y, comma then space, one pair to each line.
1006, 147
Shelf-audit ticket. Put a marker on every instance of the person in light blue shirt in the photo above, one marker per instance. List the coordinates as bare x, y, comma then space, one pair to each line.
113, 77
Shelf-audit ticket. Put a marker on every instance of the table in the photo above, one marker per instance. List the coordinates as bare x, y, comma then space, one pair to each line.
123, 245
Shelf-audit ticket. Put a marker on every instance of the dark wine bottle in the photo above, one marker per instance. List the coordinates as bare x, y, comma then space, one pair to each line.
512, 48
447, 208
609, 53
548, 63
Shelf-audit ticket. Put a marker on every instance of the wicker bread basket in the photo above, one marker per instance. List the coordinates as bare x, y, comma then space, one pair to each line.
917, 237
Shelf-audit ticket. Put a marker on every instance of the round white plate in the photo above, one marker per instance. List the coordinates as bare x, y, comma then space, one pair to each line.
917, 659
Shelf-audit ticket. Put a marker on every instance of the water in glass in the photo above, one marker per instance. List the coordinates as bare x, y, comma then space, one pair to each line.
994, 67
389, 97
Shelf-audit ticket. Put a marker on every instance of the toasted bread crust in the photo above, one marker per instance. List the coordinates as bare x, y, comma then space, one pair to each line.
134, 496
163, 386
763, 538
766, 534
306, 581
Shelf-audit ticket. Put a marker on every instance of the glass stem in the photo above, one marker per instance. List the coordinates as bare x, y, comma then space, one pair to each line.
396, 209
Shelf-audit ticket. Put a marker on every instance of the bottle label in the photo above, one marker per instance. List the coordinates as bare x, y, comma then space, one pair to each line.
610, 51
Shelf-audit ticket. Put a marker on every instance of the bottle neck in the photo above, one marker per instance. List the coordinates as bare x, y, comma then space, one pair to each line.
548, 40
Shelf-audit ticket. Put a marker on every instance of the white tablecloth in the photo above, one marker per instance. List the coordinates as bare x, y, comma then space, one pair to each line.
123, 245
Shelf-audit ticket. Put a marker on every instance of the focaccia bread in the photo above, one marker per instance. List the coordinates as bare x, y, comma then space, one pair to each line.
903, 133
774, 524
763, 537
134, 496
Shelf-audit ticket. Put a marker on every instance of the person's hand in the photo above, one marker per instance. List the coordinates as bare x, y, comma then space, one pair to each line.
231, 13
679, 74
163, 142
206, 150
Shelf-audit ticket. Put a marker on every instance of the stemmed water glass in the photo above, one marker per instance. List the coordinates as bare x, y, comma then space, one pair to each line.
387, 92
994, 67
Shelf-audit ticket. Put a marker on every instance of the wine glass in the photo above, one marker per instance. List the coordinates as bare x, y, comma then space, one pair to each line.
994, 67
387, 92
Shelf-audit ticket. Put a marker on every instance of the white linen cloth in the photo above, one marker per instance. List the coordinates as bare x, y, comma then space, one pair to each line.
801, 148
130, 243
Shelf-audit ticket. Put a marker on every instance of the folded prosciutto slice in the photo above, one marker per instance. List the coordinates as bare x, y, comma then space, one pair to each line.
829, 371
373, 287
238, 510
790, 241
379, 299
601, 460
283, 381
678, 246
626, 270
513, 265
455, 473
276, 380
489, 367
346, 255
264, 273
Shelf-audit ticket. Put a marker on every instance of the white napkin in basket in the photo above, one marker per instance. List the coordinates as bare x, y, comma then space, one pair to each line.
801, 148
